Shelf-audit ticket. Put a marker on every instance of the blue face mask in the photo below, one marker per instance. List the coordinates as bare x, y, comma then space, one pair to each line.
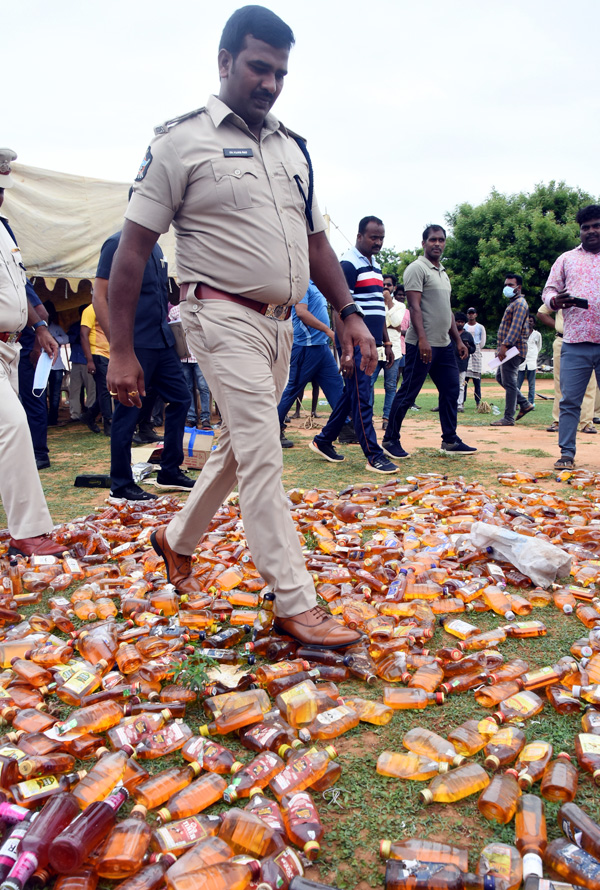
509, 292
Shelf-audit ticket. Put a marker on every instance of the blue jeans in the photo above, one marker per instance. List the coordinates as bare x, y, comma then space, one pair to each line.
528, 373
307, 364
355, 400
443, 370
578, 361
506, 376
390, 382
193, 374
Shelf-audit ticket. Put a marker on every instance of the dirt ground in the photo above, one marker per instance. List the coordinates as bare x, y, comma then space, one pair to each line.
506, 444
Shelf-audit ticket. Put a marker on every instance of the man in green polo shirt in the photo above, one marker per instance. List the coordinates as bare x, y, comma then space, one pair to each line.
429, 349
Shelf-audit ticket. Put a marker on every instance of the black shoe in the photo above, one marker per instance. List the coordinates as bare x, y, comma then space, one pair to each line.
135, 440
285, 443
327, 451
90, 422
147, 434
178, 480
107, 426
132, 492
457, 447
347, 435
42, 463
437, 408
381, 464
394, 449
205, 425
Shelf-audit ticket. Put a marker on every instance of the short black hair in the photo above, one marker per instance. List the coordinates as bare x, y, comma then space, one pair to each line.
259, 22
518, 278
586, 214
362, 226
400, 289
460, 316
532, 316
392, 276
432, 227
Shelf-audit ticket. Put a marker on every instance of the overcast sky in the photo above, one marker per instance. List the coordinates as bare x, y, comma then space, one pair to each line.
409, 108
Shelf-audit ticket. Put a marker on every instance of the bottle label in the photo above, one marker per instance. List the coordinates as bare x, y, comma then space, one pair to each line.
10, 848
587, 867
23, 868
132, 732
181, 834
78, 681
290, 775
31, 788
521, 703
299, 691
459, 627
13, 753
498, 862
301, 809
262, 734
534, 751
163, 738
289, 863
590, 744
335, 714
72, 565
117, 798
196, 749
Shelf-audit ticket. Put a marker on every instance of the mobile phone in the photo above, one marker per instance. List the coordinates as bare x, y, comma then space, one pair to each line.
580, 302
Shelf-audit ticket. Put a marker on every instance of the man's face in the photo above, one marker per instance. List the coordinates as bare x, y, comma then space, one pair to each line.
371, 241
434, 245
589, 232
531, 324
387, 282
472, 317
252, 81
512, 282
460, 325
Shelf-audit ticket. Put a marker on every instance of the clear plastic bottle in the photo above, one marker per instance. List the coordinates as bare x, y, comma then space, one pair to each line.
531, 763
530, 833
503, 863
210, 851
72, 847
466, 738
197, 796
577, 826
302, 772
560, 780
503, 747
160, 787
176, 837
425, 850
399, 698
256, 774
430, 744
573, 864
587, 752
456, 785
223, 876
409, 766
498, 802
278, 870
103, 777
247, 833
519, 707
210, 755
302, 822
126, 846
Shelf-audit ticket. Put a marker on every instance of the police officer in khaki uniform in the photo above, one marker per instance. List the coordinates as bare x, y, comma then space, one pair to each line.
29, 521
236, 186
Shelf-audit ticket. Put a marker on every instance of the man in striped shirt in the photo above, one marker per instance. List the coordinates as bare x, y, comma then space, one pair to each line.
365, 282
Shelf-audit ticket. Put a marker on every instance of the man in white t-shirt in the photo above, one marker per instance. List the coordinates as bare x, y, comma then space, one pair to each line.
528, 368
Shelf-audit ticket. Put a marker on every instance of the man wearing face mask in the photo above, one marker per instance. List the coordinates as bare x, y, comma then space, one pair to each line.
513, 331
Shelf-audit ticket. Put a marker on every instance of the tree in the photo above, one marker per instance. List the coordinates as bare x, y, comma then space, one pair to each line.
394, 262
522, 233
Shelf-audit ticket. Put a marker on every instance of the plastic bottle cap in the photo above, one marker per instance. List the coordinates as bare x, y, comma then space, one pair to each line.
525, 781
491, 762
426, 796
333, 752
195, 767
235, 767
164, 815
532, 865
512, 772
139, 808
596, 776
385, 848
563, 754
443, 767
456, 761
230, 795
282, 749
312, 849
203, 730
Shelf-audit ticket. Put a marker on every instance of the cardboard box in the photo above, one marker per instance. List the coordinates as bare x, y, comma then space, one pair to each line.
197, 445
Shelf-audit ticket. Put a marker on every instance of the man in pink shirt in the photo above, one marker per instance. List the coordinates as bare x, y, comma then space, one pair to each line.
574, 286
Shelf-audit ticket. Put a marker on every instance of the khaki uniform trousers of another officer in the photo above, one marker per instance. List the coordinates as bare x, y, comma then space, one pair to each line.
20, 487
245, 359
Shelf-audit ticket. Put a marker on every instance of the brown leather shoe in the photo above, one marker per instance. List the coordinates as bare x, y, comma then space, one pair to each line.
524, 410
317, 629
41, 545
178, 565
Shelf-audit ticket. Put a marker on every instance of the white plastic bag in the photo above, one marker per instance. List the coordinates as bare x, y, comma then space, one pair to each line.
539, 560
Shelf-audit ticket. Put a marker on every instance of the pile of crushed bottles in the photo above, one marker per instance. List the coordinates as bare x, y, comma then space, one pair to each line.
93, 690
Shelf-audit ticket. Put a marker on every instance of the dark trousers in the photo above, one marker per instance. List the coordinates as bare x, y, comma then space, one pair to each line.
443, 370
311, 364
103, 403
506, 376
476, 388
35, 409
54, 390
162, 372
356, 401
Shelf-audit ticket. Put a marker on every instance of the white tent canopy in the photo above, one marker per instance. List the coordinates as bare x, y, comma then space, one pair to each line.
61, 222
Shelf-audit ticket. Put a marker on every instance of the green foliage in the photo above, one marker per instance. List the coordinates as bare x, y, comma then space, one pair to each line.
522, 233
394, 262
193, 672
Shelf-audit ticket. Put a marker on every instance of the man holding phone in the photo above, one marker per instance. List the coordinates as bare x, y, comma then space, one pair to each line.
574, 286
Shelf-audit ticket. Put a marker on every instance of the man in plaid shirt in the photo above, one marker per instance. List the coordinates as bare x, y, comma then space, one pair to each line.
513, 331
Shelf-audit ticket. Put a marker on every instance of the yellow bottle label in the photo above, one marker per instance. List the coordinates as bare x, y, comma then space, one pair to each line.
299, 691
535, 751
458, 627
4, 693
498, 863
14, 753
519, 702
79, 680
34, 786
590, 744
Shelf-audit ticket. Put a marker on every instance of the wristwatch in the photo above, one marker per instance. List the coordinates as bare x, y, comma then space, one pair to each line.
38, 324
351, 309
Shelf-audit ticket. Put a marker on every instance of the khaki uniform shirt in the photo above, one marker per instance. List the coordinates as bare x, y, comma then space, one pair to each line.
13, 298
434, 285
234, 202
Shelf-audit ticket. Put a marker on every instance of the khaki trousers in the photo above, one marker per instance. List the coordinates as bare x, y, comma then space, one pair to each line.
587, 405
245, 360
20, 487
80, 377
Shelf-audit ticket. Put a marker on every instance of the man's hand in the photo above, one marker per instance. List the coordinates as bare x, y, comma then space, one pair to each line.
351, 333
562, 300
389, 356
125, 379
91, 366
425, 350
46, 342
463, 350
501, 352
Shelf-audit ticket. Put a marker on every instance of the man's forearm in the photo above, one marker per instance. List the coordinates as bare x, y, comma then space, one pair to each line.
123, 294
326, 272
85, 343
100, 304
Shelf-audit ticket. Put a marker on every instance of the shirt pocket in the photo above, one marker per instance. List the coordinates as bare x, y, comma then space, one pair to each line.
290, 178
236, 182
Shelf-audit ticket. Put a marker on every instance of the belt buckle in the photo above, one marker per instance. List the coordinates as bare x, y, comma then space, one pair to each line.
279, 313
14, 337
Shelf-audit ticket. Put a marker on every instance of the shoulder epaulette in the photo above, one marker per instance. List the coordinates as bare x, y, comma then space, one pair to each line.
164, 128
295, 136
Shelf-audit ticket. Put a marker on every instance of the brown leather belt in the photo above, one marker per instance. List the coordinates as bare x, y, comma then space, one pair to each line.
12, 337
269, 310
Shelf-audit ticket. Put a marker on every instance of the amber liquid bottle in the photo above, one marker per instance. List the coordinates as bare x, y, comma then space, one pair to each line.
302, 772
207, 852
33, 791
425, 851
197, 796
256, 774
31, 767
247, 833
531, 763
587, 752
503, 747
498, 802
210, 755
456, 785
409, 766
560, 780
303, 824
430, 744
94, 718
466, 739
126, 846
401, 699
223, 876
503, 863
103, 777
86, 879
177, 837
160, 787
572, 863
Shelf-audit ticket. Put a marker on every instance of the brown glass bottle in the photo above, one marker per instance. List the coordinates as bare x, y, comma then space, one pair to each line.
530, 833
498, 802
160, 787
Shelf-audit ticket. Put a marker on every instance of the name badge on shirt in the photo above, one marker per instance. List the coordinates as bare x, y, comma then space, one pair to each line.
238, 153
